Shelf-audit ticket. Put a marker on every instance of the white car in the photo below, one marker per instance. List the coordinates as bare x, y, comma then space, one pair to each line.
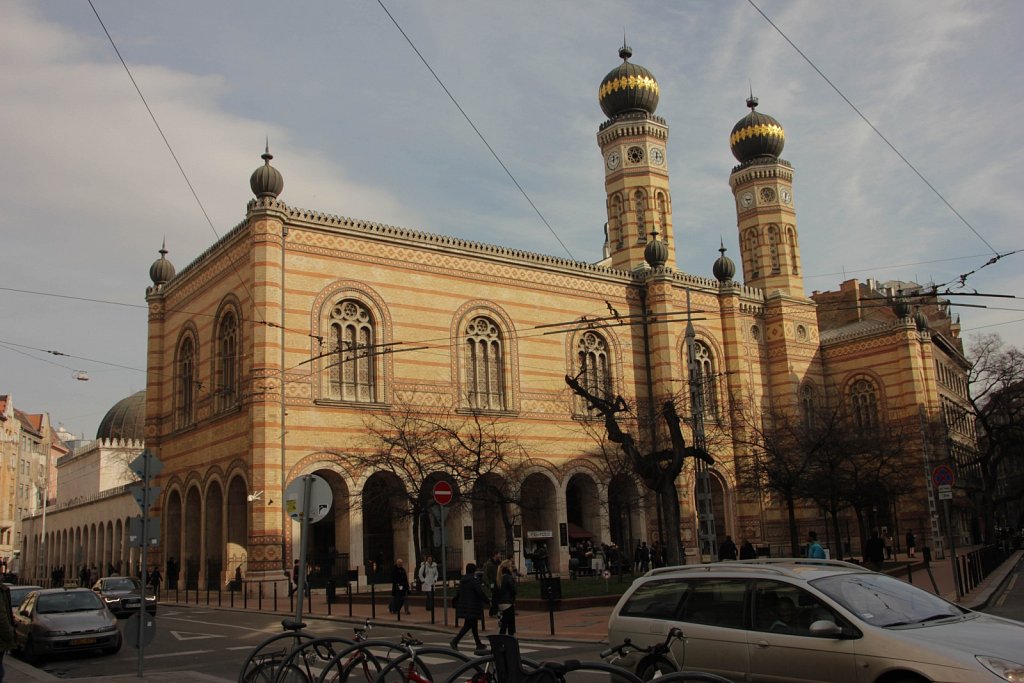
797, 621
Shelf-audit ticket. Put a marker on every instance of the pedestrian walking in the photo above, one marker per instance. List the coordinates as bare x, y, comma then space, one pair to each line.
747, 551
469, 606
911, 544
428, 577
814, 549
399, 588
727, 551
505, 599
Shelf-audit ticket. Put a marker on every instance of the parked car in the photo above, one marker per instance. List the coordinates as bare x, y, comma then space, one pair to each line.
793, 620
121, 595
19, 593
63, 620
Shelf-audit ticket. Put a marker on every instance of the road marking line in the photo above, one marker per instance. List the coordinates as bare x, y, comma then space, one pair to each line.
179, 654
189, 635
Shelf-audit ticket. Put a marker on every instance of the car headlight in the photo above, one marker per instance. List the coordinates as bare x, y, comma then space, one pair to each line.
150, 598
109, 600
1005, 669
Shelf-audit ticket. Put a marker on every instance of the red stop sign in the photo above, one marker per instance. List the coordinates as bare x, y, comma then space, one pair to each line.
443, 493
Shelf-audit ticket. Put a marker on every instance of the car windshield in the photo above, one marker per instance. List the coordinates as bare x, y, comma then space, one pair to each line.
18, 594
124, 584
881, 600
55, 603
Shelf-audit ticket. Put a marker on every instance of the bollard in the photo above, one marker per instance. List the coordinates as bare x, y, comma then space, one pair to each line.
350, 599
910, 573
373, 601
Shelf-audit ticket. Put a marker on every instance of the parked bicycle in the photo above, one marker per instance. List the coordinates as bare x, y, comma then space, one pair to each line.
658, 661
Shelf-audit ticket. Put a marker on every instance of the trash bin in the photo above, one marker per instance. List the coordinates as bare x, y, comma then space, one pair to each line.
551, 588
331, 592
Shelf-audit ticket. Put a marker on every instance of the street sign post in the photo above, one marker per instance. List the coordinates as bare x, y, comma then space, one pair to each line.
307, 500
443, 495
943, 478
146, 532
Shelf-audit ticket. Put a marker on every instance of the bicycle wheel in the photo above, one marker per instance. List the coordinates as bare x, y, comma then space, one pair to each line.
362, 669
405, 668
653, 668
263, 673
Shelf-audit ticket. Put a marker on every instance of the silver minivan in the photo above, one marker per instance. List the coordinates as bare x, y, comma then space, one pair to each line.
797, 621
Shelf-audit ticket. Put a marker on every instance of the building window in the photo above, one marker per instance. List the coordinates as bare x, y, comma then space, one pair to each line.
864, 401
593, 367
617, 220
807, 405
485, 365
773, 247
186, 380
353, 360
794, 262
702, 380
226, 387
640, 204
662, 203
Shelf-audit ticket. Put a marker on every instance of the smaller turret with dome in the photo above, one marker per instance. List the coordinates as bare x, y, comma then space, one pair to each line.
628, 88
756, 136
162, 270
266, 181
724, 269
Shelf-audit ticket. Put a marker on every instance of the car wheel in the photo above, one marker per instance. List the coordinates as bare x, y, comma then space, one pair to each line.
29, 652
652, 669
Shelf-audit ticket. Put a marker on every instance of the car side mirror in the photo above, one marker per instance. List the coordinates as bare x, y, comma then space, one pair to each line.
825, 628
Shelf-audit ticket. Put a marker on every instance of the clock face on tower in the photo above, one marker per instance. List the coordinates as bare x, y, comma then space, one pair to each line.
747, 199
787, 196
612, 160
657, 156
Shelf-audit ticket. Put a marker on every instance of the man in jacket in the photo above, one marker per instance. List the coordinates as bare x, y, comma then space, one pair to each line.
399, 587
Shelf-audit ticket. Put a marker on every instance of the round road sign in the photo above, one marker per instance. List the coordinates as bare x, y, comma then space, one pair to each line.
943, 476
320, 498
443, 493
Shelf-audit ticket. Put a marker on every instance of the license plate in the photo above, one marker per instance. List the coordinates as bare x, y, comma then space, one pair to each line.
83, 641
130, 603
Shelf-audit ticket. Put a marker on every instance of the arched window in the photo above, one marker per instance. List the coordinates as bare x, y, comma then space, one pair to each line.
226, 372
185, 375
752, 254
485, 364
592, 365
794, 262
351, 371
864, 402
807, 404
773, 247
703, 384
640, 205
662, 203
615, 218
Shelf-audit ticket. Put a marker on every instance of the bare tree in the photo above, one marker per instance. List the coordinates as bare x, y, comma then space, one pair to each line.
478, 454
782, 447
994, 473
659, 469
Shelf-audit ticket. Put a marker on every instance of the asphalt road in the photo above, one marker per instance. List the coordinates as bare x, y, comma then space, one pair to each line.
217, 643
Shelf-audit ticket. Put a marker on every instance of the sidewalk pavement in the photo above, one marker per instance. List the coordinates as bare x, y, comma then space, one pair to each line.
580, 625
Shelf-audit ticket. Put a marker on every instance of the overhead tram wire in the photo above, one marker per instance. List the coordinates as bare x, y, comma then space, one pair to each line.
167, 143
877, 132
475, 129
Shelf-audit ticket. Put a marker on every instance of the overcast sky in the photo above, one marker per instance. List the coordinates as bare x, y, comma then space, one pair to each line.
359, 127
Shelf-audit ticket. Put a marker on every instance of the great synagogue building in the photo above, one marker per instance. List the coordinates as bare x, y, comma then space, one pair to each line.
271, 353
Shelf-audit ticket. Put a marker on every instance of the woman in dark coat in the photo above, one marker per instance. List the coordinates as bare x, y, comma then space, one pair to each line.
470, 606
399, 588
